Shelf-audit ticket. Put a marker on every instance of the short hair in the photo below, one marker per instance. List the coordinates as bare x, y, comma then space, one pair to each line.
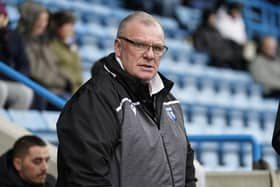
61, 17
234, 6
141, 16
22, 145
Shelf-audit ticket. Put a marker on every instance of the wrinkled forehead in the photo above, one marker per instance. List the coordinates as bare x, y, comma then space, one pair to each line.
144, 28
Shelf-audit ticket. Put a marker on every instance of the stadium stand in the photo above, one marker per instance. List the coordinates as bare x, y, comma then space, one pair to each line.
215, 101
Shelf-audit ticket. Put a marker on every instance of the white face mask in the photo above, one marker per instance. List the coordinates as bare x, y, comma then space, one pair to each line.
69, 40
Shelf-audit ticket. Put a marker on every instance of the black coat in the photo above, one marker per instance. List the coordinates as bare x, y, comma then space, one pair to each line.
208, 39
10, 178
12, 51
276, 133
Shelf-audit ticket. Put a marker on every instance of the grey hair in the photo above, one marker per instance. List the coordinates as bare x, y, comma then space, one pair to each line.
141, 16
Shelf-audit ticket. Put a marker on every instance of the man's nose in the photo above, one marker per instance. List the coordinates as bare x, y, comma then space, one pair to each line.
149, 53
45, 166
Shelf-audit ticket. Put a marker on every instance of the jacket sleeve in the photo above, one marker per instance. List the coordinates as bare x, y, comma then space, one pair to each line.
276, 133
190, 170
88, 132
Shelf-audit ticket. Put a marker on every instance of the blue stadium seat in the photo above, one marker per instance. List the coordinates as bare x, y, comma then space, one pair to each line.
188, 17
13, 16
29, 119
89, 55
51, 118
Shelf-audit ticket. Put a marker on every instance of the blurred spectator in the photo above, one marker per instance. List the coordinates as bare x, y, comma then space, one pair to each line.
160, 7
266, 67
43, 63
208, 39
12, 94
26, 164
65, 48
231, 24
274, 2
202, 4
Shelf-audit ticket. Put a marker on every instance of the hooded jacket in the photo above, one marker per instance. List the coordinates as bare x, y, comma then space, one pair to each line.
10, 178
43, 62
113, 133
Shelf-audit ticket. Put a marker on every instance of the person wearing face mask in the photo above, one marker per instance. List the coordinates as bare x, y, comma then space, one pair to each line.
62, 42
26, 164
44, 68
13, 95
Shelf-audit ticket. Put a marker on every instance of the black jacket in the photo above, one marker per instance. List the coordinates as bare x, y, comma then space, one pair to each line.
276, 133
12, 51
10, 178
113, 133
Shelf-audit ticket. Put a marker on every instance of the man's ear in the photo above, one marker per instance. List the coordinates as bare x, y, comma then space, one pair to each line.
17, 163
117, 46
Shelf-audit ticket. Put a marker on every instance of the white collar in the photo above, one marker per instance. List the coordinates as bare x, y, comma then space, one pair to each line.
155, 85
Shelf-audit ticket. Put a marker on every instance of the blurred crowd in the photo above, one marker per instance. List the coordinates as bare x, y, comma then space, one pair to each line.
42, 47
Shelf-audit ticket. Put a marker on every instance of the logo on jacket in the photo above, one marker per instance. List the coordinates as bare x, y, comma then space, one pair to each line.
171, 114
133, 108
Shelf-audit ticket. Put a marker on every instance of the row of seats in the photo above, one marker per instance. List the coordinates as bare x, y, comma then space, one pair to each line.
93, 13
42, 123
232, 156
216, 120
261, 18
213, 156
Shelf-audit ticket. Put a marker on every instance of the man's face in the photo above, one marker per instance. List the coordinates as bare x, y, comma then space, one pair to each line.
269, 47
33, 167
138, 63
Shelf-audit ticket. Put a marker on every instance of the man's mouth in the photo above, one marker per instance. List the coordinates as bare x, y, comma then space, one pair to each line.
146, 66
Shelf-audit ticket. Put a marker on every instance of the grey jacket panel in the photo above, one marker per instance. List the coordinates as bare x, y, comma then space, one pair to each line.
152, 156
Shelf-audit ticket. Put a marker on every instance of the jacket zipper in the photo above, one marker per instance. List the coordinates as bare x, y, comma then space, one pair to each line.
168, 161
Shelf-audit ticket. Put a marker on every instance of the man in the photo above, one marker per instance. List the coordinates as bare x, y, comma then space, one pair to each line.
123, 128
26, 164
265, 68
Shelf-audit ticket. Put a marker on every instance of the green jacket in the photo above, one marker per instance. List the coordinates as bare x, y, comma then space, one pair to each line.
69, 62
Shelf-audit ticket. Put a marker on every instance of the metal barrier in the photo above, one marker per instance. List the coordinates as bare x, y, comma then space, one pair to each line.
13, 74
256, 147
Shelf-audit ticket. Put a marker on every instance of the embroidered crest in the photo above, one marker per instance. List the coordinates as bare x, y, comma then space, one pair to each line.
171, 114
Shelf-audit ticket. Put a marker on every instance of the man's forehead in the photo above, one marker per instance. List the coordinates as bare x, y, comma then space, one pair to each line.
138, 27
38, 150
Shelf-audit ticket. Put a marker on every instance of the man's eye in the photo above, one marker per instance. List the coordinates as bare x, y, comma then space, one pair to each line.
157, 48
140, 45
37, 161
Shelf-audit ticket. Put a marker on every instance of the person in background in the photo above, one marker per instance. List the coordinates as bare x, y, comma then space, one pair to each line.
265, 69
26, 164
13, 95
63, 44
231, 24
123, 127
232, 27
208, 39
43, 62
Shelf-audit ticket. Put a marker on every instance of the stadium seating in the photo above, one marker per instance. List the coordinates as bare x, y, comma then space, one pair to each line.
214, 101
